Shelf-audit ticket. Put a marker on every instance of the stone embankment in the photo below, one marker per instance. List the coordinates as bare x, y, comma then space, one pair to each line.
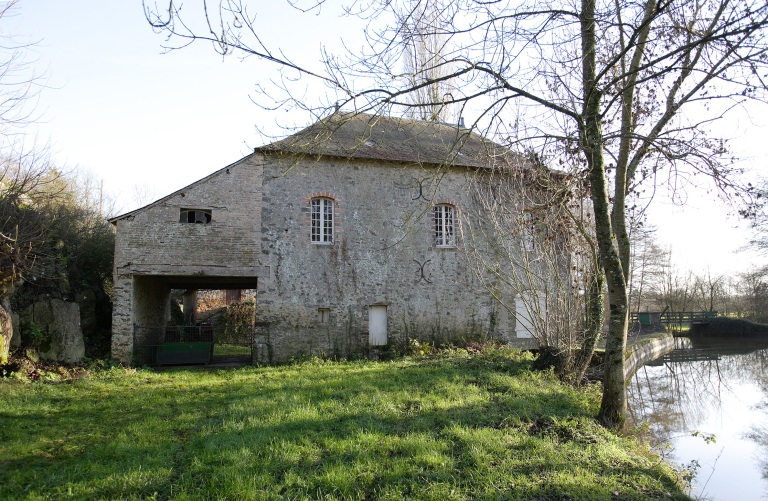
646, 349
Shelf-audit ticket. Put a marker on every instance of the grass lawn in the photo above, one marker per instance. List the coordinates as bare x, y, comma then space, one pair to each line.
444, 427
230, 349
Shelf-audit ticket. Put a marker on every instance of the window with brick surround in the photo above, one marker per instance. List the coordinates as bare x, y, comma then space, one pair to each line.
445, 225
529, 231
322, 221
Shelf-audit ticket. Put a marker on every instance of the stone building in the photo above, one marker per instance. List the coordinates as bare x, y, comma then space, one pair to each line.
351, 231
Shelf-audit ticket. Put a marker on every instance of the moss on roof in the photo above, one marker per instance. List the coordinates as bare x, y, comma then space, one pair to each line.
376, 137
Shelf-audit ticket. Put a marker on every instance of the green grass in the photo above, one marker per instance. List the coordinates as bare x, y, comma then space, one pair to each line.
447, 427
231, 349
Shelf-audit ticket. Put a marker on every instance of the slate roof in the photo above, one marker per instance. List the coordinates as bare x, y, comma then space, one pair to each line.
376, 137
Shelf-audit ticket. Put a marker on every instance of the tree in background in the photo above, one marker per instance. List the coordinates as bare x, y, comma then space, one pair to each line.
753, 284
599, 84
709, 291
648, 262
677, 290
61, 246
22, 169
657, 285
28, 184
423, 29
21, 84
753, 289
54, 238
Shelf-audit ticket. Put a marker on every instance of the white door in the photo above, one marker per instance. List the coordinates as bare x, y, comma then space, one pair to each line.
530, 312
377, 325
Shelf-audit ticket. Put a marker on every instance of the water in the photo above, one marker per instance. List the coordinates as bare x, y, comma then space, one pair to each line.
709, 389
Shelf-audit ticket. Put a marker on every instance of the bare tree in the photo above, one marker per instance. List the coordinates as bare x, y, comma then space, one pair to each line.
598, 83
424, 32
753, 288
24, 168
532, 245
28, 183
757, 214
649, 263
709, 290
21, 84
676, 290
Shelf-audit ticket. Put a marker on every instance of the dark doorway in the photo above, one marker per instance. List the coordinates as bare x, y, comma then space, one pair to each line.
195, 319
228, 314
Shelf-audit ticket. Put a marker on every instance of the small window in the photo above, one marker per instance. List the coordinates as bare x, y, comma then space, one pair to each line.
322, 221
323, 315
529, 232
445, 217
195, 216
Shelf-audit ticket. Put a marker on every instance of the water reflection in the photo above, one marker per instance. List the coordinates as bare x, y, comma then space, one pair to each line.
710, 386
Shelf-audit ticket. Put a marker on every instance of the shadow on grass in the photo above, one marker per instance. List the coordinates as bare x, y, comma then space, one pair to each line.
434, 429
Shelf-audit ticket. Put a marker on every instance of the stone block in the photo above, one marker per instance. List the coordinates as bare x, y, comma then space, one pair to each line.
53, 328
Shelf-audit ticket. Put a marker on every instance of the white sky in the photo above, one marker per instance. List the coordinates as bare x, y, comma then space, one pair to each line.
149, 123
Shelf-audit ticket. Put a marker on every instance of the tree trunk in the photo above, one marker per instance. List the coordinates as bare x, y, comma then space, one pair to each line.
595, 312
6, 332
625, 173
613, 408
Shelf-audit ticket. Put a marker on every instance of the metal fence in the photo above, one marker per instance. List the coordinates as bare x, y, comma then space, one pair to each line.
672, 317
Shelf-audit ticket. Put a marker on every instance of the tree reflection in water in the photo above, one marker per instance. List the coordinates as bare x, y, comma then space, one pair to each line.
712, 386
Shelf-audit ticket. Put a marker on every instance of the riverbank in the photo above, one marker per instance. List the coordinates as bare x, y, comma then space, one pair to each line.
731, 327
455, 425
645, 348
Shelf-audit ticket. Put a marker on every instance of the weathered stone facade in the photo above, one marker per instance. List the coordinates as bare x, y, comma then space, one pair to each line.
155, 253
314, 297
383, 253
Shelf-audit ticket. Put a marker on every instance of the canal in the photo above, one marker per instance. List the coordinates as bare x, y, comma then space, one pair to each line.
705, 408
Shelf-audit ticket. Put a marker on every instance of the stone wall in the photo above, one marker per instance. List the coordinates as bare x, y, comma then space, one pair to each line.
152, 246
153, 238
53, 328
645, 350
314, 299
383, 253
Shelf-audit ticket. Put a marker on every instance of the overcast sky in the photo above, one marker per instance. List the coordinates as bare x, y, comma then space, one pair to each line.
148, 123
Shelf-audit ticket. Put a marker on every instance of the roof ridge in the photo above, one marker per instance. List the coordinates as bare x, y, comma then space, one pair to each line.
382, 137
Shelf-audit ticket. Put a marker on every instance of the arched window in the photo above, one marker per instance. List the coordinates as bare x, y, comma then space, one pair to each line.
322, 221
529, 231
445, 225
